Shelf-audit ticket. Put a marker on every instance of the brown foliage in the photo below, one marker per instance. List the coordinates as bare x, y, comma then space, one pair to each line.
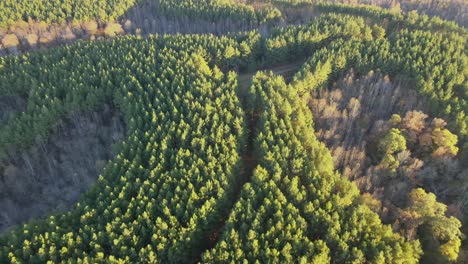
351, 118
66, 34
10, 41
128, 26
31, 40
113, 29
90, 27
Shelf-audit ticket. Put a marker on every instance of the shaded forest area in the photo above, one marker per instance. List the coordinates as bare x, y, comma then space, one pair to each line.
51, 176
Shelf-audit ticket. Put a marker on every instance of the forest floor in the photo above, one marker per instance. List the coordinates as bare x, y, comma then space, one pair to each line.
50, 177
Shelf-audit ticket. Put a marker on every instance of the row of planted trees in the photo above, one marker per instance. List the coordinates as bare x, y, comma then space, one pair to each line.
57, 11
177, 169
296, 208
173, 173
61, 12
434, 63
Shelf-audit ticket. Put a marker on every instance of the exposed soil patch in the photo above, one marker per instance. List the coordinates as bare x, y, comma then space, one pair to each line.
50, 177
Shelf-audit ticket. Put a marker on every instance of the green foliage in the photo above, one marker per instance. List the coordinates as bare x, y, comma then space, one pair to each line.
440, 235
378, 32
58, 11
176, 171
436, 63
390, 162
395, 120
444, 139
451, 249
220, 10
392, 142
93, 80
425, 204
296, 207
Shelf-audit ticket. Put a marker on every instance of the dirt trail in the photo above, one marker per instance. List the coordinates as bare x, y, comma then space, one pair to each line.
286, 70
249, 159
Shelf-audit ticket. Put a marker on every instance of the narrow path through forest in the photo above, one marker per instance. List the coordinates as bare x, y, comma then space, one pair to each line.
249, 160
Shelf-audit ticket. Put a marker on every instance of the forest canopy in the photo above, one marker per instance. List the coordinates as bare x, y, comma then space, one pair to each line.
222, 159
